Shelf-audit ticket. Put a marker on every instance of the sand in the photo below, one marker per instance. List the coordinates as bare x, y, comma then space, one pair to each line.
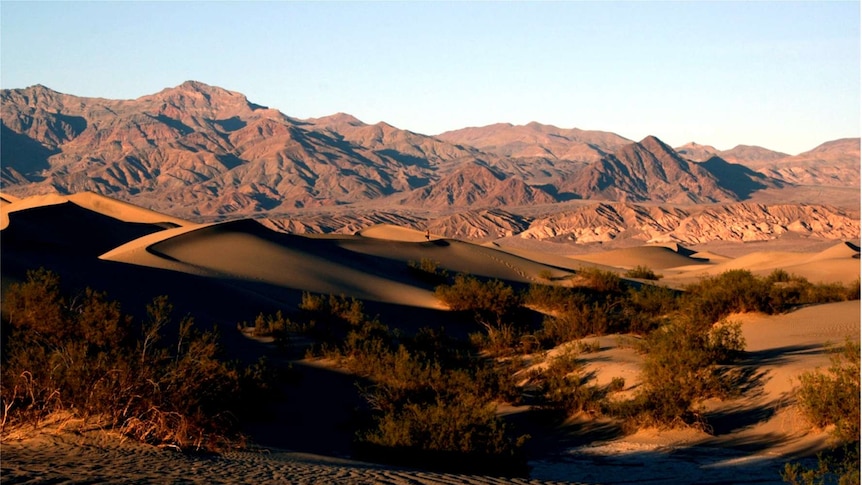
752, 437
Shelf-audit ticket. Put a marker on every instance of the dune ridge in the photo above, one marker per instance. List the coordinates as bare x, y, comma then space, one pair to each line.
754, 434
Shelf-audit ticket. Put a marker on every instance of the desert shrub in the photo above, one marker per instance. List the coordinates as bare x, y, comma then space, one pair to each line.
424, 413
714, 298
497, 339
489, 298
832, 397
429, 271
457, 433
574, 323
599, 280
430, 401
81, 356
681, 367
273, 325
837, 466
617, 384
648, 307
852, 291
328, 319
552, 298
740, 291
563, 387
643, 273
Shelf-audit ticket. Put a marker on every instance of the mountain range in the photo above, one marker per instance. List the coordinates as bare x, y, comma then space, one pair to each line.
200, 151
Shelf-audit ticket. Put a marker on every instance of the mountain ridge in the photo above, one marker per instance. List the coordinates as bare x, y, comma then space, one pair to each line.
205, 152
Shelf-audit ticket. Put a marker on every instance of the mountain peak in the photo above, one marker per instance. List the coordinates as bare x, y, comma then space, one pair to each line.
652, 140
196, 85
195, 95
337, 120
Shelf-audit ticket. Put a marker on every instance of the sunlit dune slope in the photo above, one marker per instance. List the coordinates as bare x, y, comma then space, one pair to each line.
116, 209
568, 264
456, 257
245, 250
395, 233
653, 257
839, 263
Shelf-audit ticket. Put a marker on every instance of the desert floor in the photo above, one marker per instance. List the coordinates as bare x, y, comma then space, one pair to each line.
750, 440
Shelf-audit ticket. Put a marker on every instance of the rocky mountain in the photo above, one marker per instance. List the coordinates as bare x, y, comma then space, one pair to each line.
475, 225
741, 222
650, 170
536, 140
834, 163
203, 152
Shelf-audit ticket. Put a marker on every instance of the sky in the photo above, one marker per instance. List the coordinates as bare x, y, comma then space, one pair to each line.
781, 75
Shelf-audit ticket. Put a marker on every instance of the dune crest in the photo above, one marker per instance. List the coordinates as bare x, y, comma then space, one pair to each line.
396, 233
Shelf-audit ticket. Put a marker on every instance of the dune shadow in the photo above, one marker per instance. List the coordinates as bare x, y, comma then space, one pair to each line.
734, 419
780, 355
316, 412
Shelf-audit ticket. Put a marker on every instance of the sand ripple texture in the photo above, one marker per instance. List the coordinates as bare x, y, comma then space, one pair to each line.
68, 458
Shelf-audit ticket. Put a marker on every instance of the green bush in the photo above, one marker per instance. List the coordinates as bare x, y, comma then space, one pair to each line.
430, 399
648, 307
831, 398
438, 417
555, 299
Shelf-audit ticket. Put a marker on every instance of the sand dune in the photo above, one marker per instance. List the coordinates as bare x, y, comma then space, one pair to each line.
653, 257
752, 438
8, 199
363, 267
395, 233
100, 204
123, 211
245, 250
837, 264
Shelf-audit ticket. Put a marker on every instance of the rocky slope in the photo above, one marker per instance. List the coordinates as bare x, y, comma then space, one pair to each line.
834, 163
203, 152
740, 222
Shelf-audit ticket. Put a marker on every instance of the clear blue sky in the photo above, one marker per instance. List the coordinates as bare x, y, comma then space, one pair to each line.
782, 75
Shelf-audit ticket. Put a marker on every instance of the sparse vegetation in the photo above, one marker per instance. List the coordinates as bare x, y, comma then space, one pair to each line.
831, 398
682, 365
599, 280
429, 271
563, 387
431, 397
643, 273
491, 300
85, 357
741, 291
